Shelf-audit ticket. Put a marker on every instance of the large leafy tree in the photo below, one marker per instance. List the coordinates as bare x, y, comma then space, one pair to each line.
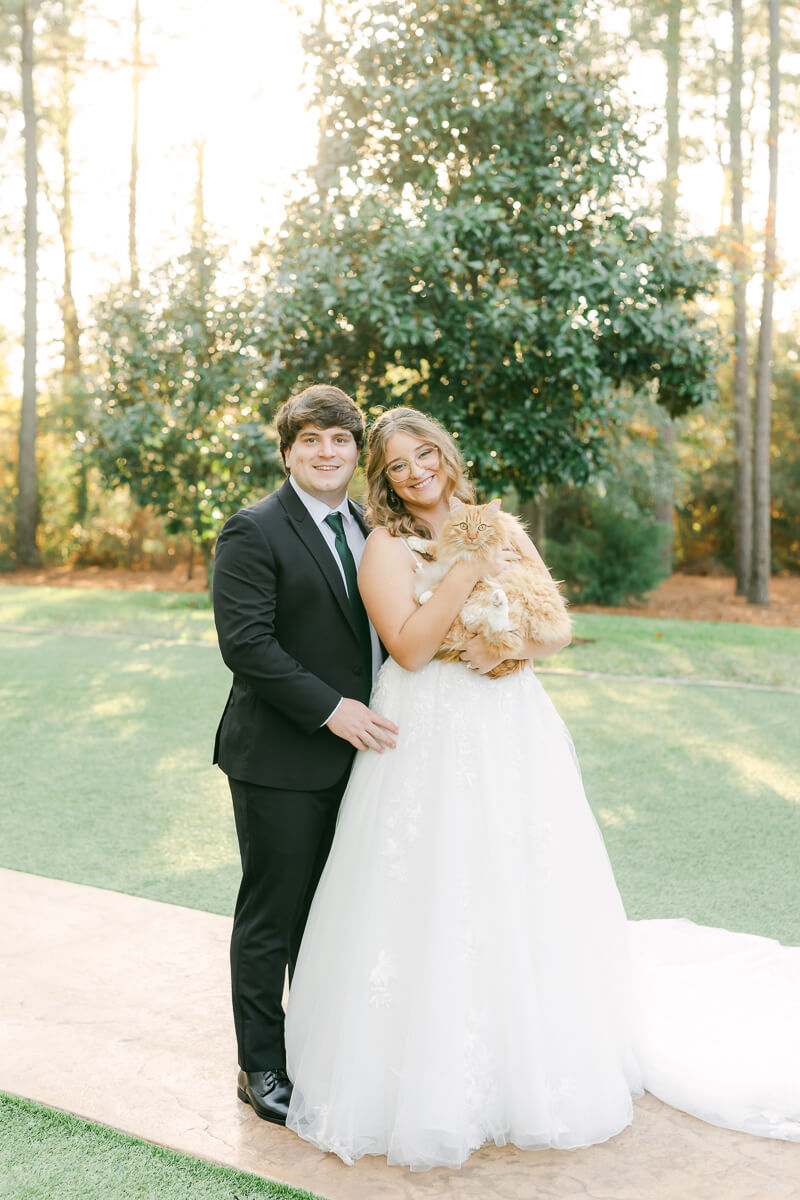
464, 244
176, 414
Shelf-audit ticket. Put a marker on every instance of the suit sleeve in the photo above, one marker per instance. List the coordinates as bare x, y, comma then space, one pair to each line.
245, 595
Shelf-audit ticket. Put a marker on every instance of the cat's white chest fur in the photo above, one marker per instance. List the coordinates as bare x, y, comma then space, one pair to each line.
428, 574
494, 612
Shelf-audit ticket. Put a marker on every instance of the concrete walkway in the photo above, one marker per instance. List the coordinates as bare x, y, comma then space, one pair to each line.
117, 1009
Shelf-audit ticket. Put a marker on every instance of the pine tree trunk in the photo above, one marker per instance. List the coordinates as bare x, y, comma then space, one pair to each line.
672, 55
28, 500
69, 312
72, 382
743, 469
664, 507
199, 222
759, 585
133, 258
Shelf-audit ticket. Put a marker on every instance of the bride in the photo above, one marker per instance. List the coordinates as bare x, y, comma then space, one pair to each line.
467, 973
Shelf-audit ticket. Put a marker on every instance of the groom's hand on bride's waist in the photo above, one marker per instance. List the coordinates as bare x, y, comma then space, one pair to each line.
361, 727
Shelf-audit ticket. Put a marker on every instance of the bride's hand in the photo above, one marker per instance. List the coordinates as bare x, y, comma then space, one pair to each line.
479, 655
482, 568
501, 559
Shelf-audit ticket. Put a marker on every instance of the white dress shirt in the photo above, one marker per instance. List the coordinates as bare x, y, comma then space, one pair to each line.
318, 510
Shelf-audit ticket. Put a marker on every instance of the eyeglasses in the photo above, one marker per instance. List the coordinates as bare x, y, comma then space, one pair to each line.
426, 459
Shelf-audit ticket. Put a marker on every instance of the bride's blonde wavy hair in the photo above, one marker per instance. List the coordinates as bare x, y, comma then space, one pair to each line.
384, 506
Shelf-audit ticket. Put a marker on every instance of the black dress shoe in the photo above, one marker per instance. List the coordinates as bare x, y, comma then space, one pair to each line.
269, 1092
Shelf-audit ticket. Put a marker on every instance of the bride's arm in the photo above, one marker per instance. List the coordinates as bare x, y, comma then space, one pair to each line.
412, 633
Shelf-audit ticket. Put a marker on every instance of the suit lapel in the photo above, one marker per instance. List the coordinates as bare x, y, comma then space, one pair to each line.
306, 529
358, 513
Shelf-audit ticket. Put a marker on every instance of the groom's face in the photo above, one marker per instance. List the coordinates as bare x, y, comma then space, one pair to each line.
322, 462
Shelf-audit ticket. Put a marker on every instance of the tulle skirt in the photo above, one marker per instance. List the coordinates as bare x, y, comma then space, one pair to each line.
467, 973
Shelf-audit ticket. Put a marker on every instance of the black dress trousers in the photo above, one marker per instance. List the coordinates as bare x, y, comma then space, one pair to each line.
284, 839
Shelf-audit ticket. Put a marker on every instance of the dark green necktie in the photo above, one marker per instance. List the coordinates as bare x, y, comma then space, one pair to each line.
334, 520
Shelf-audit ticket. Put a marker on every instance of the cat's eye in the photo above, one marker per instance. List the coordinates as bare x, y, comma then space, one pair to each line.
481, 527
461, 525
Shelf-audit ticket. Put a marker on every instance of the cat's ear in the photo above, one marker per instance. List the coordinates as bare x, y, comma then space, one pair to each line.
456, 505
493, 507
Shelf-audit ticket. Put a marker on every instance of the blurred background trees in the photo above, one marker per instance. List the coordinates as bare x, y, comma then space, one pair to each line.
500, 224
176, 412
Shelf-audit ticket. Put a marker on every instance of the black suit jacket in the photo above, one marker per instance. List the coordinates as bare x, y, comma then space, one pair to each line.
287, 633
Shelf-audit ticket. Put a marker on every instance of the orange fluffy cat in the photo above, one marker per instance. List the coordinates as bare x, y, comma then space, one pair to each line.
522, 604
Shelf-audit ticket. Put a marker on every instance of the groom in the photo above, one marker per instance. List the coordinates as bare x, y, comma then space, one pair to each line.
294, 632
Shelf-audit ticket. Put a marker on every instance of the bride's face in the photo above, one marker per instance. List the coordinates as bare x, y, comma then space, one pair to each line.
414, 471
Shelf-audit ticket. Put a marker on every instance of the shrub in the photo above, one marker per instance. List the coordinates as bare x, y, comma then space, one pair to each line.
603, 556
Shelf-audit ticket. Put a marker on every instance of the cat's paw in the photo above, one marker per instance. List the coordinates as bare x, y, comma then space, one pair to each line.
425, 597
421, 545
497, 616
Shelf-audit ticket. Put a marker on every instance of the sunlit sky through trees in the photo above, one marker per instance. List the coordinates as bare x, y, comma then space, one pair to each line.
231, 72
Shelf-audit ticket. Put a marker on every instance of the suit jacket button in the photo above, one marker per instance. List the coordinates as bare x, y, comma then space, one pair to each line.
358, 670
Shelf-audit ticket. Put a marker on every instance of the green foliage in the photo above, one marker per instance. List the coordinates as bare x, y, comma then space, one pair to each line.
605, 556
602, 539
8, 464
785, 457
176, 412
705, 517
464, 246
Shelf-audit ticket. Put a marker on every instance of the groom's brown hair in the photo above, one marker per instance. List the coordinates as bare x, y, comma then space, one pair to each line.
321, 404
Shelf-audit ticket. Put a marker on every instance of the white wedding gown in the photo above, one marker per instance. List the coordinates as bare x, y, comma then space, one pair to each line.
468, 974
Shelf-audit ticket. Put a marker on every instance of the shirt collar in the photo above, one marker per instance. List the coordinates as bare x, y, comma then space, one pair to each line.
318, 509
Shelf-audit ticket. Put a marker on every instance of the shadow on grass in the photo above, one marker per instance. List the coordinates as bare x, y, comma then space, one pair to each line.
105, 769
106, 759
174, 615
697, 792
683, 649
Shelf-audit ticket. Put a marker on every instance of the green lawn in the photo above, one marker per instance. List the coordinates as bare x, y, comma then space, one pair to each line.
110, 706
46, 1155
697, 791
613, 644
105, 760
106, 744
683, 649
172, 615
